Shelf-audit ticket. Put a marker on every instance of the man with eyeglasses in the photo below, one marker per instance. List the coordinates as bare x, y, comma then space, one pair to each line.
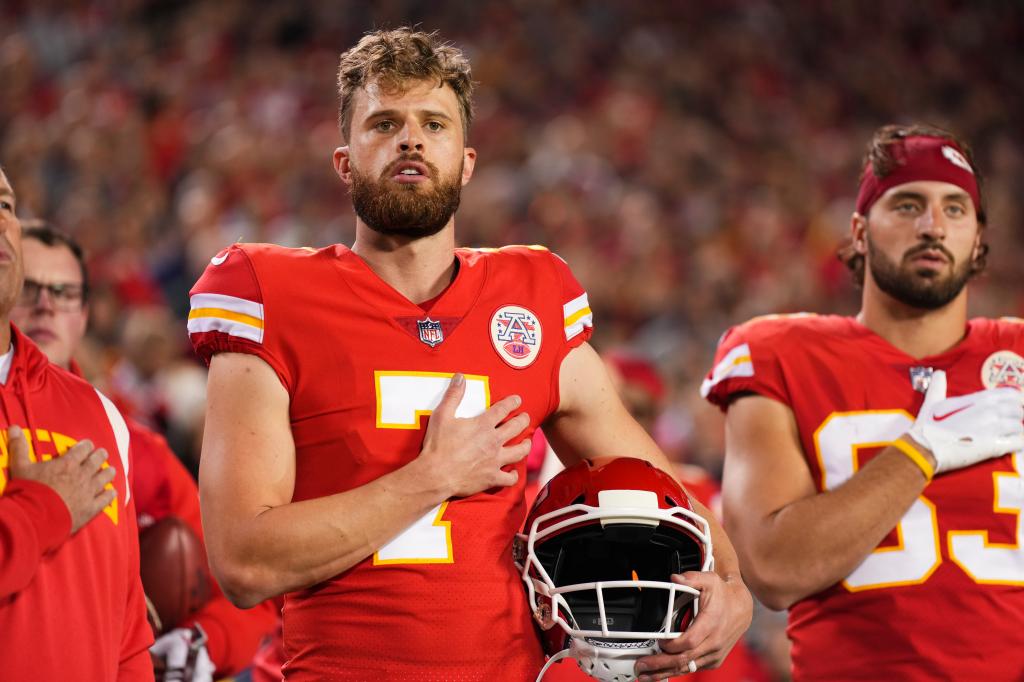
71, 602
53, 311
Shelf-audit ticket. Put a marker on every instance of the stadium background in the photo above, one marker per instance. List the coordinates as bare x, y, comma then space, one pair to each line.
695, 163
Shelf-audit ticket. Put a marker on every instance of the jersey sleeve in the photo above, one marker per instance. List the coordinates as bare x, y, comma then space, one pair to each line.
228, 313
746, 362
34, 522
578, 320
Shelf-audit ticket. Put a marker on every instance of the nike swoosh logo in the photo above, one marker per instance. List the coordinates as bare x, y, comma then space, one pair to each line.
217, 260
941, 417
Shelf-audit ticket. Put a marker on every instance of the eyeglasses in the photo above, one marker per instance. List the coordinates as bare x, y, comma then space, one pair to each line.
64, 297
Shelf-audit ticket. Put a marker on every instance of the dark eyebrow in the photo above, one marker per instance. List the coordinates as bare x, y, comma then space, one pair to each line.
386, 113
917, 196
901, 196
436, 114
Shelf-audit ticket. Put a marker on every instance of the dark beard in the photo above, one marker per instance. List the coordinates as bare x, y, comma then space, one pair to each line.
919, 289
406, 210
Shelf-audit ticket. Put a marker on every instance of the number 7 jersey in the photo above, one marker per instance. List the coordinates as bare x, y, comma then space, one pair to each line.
942, 597
363, 367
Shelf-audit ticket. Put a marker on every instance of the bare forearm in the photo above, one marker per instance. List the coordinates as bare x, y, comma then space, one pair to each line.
727, 563
818, 540
299, 544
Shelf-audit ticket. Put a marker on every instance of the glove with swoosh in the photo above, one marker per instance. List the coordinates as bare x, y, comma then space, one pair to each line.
971, 428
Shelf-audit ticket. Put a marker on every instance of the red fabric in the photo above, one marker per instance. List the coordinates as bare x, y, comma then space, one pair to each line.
70, 607
164, 487
919, 158
331, 327
912, 611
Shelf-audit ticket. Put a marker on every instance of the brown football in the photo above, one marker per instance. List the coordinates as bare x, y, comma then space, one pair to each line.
175, 575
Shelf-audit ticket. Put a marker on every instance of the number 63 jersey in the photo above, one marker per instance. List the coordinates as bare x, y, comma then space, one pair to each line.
941, 597
364, 367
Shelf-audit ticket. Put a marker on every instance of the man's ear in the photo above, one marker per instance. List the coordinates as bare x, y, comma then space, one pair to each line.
343, 165
468, 164
858, 233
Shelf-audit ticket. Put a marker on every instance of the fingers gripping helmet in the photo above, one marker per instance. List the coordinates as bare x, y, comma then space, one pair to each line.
597, 554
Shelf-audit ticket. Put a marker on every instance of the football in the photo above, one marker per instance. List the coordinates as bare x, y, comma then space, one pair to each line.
175, 575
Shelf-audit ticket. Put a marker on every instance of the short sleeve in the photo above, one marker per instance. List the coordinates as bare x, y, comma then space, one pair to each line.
227, 312
577, 318
746, 362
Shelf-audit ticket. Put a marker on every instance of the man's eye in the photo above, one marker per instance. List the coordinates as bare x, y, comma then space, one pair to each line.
435, 126
6, 206
385, 126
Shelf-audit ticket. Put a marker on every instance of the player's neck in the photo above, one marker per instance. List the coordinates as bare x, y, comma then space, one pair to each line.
5, 334
918, 333
419, 269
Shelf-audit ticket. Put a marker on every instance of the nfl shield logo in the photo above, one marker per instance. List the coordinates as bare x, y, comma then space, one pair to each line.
430, 332
920, 378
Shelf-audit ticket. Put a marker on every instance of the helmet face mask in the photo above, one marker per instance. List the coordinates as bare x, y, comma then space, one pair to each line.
597, 562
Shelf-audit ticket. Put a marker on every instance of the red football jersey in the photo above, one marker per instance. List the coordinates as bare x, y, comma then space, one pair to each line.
941, 597
363, 366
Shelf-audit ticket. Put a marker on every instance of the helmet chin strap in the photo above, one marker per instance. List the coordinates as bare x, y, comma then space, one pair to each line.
551, 661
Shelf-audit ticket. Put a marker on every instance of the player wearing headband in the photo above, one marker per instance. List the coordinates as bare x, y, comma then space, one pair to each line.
872, 481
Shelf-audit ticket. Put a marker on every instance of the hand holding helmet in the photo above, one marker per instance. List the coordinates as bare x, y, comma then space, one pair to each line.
598, 554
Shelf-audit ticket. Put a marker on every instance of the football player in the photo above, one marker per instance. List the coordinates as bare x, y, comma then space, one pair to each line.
872, 478
370, 408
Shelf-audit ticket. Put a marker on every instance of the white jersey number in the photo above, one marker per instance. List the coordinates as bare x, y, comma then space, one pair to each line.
838, 442
402, 398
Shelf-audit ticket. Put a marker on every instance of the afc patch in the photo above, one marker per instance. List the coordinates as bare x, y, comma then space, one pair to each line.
1003, 368
516, 334
430, 332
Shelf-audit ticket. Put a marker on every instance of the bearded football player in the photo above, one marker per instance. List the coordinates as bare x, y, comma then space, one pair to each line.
873, 475
370, 408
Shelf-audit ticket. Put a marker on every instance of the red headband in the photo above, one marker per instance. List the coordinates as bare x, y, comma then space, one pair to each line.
919, 158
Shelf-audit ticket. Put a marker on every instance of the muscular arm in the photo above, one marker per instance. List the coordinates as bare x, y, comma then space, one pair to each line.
793, 541
262, 544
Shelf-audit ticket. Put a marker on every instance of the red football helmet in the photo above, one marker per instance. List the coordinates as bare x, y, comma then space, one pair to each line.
597, 554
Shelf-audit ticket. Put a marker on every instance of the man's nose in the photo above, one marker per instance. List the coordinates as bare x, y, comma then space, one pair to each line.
410, 138
932, 223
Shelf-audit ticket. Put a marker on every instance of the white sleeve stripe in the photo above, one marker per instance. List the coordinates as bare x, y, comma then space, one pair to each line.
583, 323
575, 305
736, 363
219, 324
121, 437
242, 306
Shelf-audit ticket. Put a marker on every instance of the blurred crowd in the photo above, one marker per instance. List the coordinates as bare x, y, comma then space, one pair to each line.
695, 163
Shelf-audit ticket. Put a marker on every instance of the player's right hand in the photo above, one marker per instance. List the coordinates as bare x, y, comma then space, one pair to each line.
78, 476
971, 428
469, 453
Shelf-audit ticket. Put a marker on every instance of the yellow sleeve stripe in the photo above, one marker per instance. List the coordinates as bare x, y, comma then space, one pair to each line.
576, 316
226, 315
736, 363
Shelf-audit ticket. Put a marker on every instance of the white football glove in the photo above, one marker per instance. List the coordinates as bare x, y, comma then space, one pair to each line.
183, 651
970, 428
